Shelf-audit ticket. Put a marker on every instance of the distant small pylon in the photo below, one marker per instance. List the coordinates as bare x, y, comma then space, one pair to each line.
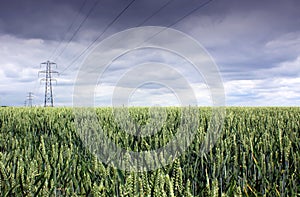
29, 99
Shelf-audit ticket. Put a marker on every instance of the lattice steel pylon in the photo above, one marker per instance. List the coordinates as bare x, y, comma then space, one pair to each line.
48, 102
29, 99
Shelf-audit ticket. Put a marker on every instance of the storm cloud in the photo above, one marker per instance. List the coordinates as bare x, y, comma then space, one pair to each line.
256, 45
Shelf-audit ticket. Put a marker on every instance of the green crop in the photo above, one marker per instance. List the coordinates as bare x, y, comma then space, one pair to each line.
257, 154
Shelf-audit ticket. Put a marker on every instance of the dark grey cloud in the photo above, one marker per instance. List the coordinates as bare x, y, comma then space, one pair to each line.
249, 40
35, 19
49, 19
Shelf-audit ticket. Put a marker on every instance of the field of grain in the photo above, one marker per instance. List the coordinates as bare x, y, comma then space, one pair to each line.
257, 154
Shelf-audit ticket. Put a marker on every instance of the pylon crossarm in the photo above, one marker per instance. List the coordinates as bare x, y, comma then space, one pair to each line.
43, 71
54, 80
54, 71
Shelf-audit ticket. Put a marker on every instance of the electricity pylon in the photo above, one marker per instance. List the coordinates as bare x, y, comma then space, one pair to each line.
29, 98
48, 102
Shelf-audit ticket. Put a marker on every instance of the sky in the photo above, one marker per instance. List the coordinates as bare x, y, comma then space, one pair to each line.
255, 45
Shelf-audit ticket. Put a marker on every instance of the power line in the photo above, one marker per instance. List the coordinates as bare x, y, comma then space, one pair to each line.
178, 20
69, 29
78, 28
65, 34
167, 27
191, 12
106, 28
60, 43
153, 14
